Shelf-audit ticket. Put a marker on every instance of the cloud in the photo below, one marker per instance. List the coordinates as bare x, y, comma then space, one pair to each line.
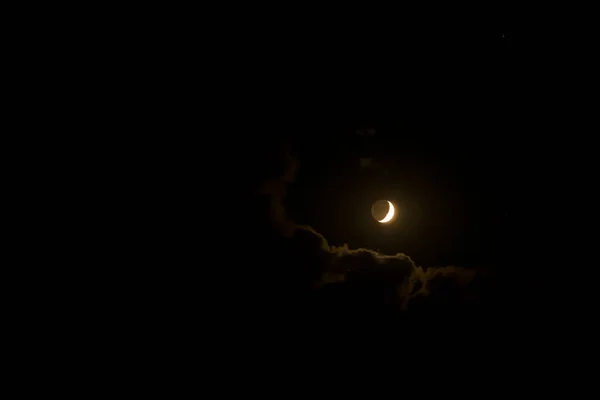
273, 187
300, 260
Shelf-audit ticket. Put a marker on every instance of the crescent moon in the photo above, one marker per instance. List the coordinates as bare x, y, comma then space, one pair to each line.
389, 215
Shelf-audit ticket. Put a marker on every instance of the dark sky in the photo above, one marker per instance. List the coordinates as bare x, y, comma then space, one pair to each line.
442, 106
259, 209
432, 109
455, 122
453, 192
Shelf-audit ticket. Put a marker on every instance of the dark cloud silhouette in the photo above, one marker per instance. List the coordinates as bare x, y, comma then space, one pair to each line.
300, 261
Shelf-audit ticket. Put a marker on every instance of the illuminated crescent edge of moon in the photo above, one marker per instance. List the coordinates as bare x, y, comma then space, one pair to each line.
389, 215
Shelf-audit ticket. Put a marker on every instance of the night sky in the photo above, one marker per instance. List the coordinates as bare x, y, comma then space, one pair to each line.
312, 129
426, 122
438, 132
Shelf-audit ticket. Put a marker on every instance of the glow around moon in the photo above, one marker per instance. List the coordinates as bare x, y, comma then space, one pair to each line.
389, 215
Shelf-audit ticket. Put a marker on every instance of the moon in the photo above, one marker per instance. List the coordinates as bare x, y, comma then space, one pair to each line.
383, 211
389, 215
